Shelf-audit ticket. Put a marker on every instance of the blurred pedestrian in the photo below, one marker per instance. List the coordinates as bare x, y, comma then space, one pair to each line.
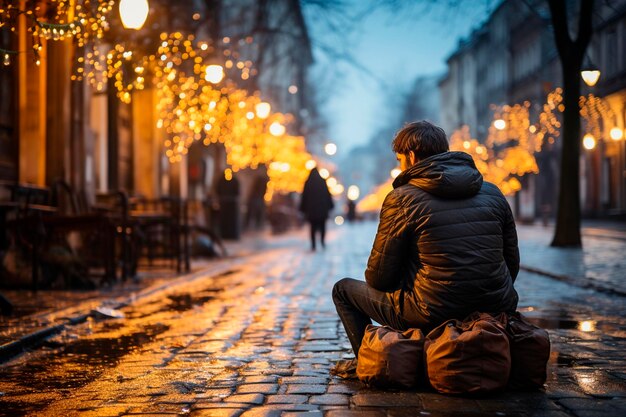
351, 211
255, 216
316, 203
446, 245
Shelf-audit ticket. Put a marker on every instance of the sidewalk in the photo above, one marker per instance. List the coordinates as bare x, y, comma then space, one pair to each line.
257, 335
600, 264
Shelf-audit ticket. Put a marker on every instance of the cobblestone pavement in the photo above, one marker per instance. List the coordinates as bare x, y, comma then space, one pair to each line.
257, 337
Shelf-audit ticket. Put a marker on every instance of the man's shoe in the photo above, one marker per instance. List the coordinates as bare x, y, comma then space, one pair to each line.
345, 368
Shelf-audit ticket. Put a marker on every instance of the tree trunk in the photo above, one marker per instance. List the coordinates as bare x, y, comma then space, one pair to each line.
571, 53
567, 232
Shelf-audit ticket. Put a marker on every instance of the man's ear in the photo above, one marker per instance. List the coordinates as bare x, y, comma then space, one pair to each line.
412, 158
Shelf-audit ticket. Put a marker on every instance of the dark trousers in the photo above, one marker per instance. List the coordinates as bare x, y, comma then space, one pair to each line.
358, 304
318, 226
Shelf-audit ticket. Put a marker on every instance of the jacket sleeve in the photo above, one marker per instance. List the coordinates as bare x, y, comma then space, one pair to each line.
511, 249
388, 255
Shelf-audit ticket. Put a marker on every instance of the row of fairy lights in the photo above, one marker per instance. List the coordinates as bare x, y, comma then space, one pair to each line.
509, 150
196, 101
83, 22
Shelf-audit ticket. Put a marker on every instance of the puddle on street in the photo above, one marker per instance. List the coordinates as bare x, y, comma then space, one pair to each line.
73, 366
184, 302
605, 328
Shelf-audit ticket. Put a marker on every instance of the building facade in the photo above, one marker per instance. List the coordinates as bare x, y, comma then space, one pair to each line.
54, 128
511, 59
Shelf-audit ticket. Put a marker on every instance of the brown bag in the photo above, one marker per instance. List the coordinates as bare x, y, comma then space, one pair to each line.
471, 356
530, 352
389, 358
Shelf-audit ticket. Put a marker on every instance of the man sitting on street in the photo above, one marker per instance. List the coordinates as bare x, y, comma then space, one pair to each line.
446, 245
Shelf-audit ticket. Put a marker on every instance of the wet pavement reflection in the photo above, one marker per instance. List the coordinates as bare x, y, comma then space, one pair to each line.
265, 334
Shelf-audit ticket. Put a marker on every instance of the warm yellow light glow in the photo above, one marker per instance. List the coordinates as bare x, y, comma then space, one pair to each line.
353, 192
587, 326
395, 172
263, 110
310, 164
134, 13
324, 173
331, 181
277, 129
590, 77
589, 142
339, 220
337, 189
214, 73
466, 144
616, 133
499, 124
330, 149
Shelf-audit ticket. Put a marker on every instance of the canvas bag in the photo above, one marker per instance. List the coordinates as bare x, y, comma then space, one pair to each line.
468, 357
530, 352
389, 358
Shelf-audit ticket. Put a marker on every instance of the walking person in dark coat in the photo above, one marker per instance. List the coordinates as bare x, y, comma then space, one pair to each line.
316, 203
446, 245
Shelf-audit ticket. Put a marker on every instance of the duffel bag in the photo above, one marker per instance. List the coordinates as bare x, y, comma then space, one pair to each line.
530, 352
468, 357
389, 358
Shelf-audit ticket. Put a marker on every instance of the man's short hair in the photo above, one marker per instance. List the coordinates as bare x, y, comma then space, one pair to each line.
422, 137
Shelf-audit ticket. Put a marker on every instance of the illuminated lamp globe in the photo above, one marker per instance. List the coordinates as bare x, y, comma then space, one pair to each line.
395, 172
214, 73
590, 77
330, 149
262, 110
616, 133
589, 142
134, 13
499, 124
324, 173
353, 193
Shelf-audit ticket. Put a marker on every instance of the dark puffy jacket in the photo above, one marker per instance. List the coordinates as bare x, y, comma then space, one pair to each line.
446, 244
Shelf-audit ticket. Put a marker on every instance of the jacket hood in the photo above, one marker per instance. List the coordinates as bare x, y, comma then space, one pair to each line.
448, 175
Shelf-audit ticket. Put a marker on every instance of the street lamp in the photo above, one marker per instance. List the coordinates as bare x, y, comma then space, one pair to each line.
134, 13
330, 149
616, 133
214, 73
353, 192
589, 72
589, 142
